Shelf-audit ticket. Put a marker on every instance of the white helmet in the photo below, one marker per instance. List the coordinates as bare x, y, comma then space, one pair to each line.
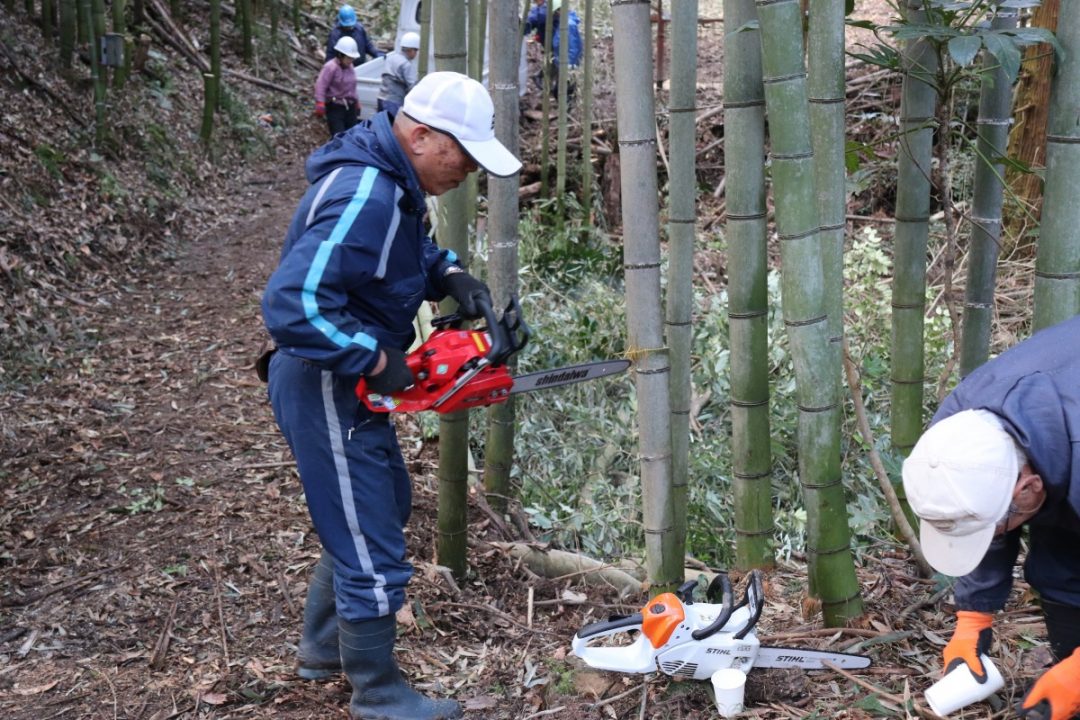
410, 40
347, 46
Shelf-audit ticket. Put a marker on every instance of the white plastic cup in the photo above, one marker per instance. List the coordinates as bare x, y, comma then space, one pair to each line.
729, 684
960, 688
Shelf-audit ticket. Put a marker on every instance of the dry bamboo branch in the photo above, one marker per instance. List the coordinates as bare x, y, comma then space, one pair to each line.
879, 468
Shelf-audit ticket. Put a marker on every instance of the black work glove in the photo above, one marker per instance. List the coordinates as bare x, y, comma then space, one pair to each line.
467, 290
394, 376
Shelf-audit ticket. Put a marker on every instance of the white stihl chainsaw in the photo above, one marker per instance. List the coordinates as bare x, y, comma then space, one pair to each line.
692, 640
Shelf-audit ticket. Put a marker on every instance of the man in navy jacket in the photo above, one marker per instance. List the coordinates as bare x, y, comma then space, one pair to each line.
355, 269
1003, 453
349, 26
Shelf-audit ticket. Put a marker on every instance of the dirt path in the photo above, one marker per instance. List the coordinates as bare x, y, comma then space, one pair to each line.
154, 542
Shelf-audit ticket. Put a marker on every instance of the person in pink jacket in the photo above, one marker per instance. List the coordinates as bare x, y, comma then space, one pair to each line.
335, 89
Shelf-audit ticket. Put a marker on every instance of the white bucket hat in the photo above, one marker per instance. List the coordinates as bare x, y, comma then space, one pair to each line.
461, 107
959, 480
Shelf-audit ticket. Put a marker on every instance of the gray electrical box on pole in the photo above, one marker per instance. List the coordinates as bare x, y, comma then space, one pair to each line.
112, 50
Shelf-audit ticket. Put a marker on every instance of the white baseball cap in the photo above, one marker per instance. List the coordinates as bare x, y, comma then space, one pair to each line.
959, 480
461, 107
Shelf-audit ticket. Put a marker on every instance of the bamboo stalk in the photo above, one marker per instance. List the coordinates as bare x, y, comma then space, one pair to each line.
450, 51
744, 152
1057, 262
635, 109
682, 219
917, 114
832, 568
503, 233
995, 101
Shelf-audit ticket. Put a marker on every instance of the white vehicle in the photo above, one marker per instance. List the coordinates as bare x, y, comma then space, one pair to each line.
369, 75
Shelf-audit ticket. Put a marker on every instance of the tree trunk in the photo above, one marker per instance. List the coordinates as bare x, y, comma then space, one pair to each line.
97, 17
832, 569
69, 16
503, 232
425, 38
450, 50
215, 51
246, 21
995, 112
917, 105
96, 30
47, 21
212, 80
119, 23
748, 300
545, 105
682, 228
275, 19
560, 154
587, 118
1057, 262
635, 114
1027, 141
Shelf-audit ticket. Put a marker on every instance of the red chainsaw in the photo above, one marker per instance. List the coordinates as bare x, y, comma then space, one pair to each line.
457, 369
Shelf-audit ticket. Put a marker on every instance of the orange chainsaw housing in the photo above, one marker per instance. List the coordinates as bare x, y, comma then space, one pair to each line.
660, 618
437, 364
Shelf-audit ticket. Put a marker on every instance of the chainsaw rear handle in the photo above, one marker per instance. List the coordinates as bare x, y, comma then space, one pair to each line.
755, 599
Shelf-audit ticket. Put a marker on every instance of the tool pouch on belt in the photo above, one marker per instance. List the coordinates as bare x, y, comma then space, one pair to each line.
262, 365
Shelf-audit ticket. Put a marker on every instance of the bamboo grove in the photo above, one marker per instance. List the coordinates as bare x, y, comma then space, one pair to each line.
792, 85
786, 162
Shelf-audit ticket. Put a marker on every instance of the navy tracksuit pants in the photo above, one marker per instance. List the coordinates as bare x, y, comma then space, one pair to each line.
357, 488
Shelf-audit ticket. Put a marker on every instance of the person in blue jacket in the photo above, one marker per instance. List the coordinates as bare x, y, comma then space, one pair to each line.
356, 266
535, 23
349, 26
1003, 453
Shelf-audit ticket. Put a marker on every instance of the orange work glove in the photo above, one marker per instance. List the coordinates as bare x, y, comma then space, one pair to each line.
970, 639
320, 109
1055, 695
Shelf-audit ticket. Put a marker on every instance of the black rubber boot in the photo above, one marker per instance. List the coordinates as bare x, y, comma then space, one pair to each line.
379, 690
318, 657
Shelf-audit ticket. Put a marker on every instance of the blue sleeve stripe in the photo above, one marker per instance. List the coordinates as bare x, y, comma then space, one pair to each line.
322, 257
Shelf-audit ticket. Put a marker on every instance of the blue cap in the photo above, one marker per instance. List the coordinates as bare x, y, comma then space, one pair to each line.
346, 16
